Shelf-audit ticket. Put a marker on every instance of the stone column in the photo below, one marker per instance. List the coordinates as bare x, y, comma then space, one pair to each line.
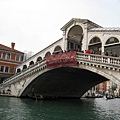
85, 39
64, 41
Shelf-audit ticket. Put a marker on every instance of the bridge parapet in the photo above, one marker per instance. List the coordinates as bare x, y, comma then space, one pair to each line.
99, 59
107, 62
27, 72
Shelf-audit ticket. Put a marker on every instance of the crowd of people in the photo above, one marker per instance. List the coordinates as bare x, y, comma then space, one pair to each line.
111, 54
90, 52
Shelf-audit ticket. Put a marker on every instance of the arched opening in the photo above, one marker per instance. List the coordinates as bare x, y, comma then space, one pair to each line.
47, 54
31, 63
58, 49
67, 87
24, 67
74, 38
95, 45
112, 45
39, 59
18, 70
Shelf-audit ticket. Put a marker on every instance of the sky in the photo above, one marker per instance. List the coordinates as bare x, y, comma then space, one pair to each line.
34, 24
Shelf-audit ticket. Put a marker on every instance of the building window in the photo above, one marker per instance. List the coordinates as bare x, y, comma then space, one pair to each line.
6, 69
21, 58
17, 57
1, 68
8, 55
3, 55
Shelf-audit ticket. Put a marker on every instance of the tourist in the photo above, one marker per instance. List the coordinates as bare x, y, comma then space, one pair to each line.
111, 54
114, 55
87, 51
106, 53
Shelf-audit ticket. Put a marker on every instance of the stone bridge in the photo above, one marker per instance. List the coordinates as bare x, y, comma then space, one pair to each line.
68, 81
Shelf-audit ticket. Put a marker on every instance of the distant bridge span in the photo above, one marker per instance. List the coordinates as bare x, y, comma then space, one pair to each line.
69, 81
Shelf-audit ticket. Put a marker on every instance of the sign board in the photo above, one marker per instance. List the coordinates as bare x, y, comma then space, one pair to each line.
61, 60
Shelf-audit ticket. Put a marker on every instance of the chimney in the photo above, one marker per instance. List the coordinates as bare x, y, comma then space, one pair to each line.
12, 45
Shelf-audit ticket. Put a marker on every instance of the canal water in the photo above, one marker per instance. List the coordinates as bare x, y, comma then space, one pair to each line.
67, 109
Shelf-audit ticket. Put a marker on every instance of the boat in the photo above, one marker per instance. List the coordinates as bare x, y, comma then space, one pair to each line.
41, 97
34, 97
110, 97
94, 96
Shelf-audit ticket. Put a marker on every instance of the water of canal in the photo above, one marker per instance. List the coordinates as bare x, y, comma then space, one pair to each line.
67, 109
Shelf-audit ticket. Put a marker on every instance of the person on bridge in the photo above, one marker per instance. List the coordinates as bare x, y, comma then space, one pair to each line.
106, 53
114, 55
87, 51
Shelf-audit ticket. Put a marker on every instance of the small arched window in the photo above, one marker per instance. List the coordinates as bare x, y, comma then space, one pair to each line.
39, 59
31, 63
18, 70
57, 49
95, 40
24, 67
47, 54
112, 40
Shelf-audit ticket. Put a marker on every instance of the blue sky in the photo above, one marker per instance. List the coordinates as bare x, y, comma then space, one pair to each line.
35, 24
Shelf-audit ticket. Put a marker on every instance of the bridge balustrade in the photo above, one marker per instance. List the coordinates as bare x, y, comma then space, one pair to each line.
99, 58
26, 72
80, 56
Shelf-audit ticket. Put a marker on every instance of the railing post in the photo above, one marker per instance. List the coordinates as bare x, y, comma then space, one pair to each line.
88, 57
108, 60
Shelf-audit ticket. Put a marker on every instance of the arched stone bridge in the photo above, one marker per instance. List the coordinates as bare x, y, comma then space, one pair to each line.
68, 81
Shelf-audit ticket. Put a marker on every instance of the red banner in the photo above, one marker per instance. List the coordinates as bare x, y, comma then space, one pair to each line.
61, 60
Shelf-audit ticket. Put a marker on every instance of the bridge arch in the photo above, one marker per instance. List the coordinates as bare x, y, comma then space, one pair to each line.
69, 79
98, 70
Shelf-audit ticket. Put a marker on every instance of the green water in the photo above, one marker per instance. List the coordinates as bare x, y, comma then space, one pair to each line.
84, 109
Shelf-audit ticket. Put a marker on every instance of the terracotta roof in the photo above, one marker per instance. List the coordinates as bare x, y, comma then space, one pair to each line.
3, 47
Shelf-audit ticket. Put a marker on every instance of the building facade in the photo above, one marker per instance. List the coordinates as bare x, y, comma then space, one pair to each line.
9, 59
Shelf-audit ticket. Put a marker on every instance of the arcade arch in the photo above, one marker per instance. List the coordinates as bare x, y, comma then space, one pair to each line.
58, 49
31, 63
18, 70
95, 45
47, 54
24, 67
112, 45
39, 59
74, 38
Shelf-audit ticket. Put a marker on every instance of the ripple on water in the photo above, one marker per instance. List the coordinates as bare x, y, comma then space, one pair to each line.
84, 109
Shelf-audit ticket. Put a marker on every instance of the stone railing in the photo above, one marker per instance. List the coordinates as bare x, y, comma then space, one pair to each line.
26, 72
93, 58
99, 58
